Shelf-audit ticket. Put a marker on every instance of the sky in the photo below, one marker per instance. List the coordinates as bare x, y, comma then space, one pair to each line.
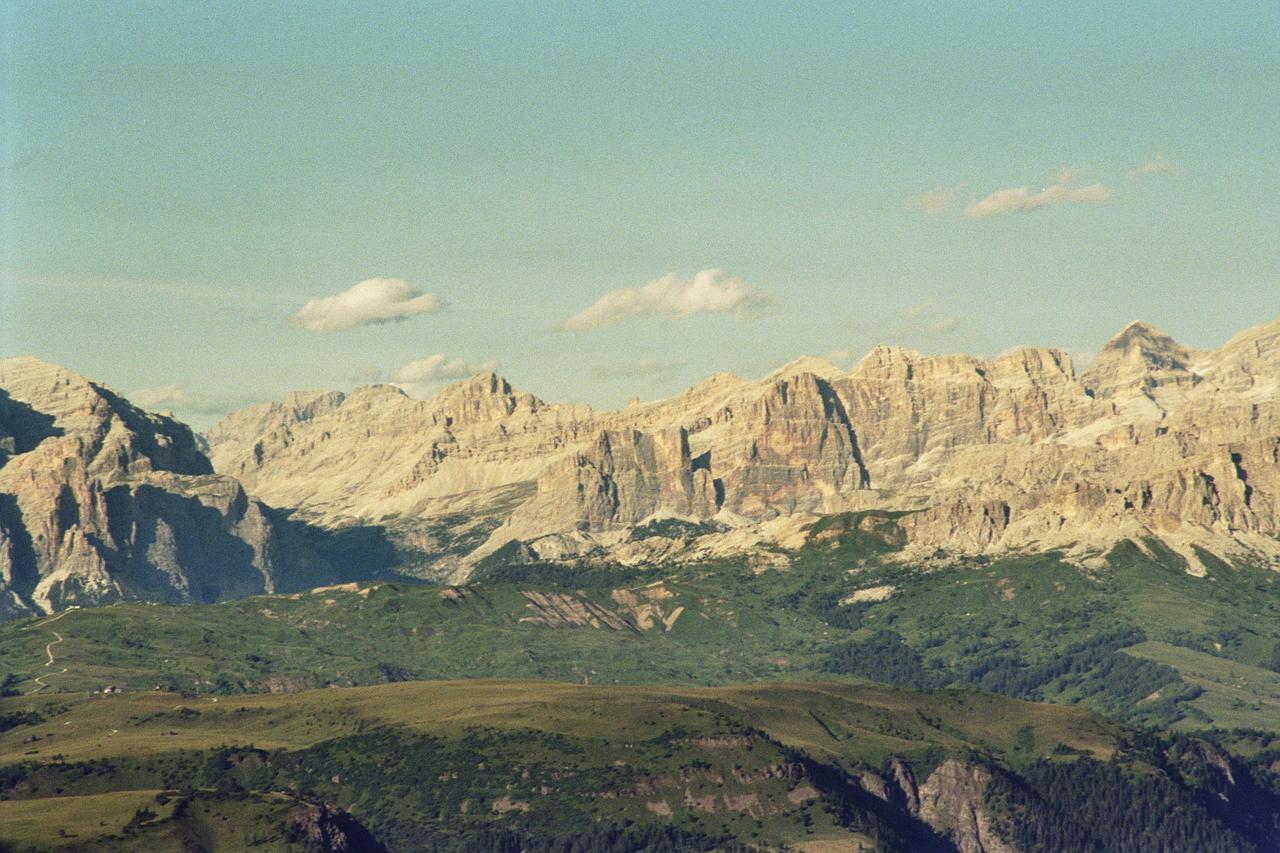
208, 205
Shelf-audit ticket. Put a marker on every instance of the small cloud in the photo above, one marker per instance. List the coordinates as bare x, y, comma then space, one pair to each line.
923, 320
1155, 166
368, 373
174, 398
645, 368
709, 292
932, 202
422, 376
437, 367
374, 300
1026, 199
1082, 358
839, 356
1067, 174
912, 312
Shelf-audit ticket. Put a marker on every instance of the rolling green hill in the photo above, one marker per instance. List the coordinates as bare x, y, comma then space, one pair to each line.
1031, 627
843, 698
488, 764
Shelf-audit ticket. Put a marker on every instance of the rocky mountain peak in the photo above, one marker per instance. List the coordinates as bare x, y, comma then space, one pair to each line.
1141, 361
1142, 335
1143, 344
41, 401
887, 363
375, 396
101, 501
985, 454
1249, 363
1034, 363
483, 397
1144, 341
810, 364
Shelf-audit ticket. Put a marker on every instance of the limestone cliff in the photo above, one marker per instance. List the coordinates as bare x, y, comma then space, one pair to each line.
1018, 452
101, 502
619, 480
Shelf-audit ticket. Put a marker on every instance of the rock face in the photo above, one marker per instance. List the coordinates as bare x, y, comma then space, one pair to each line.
620, 479
951, 803
325, 828
985, 455
101, 502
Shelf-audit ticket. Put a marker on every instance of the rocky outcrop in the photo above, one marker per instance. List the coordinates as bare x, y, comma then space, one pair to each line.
101, 502
984, 455
951, 802
795, 451
322, 827
621, 479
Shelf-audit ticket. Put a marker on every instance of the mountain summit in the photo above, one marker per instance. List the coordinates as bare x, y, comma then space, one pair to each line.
1015, 453
101, 501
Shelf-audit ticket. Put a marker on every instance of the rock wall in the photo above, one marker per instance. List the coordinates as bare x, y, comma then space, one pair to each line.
102, 502
988, 455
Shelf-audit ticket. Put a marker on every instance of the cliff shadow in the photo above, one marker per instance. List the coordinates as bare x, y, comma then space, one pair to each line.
172, 547
25, 425
24, 574
328, 555
182, 452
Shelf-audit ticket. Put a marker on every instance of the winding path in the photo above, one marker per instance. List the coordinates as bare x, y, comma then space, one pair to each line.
48, 650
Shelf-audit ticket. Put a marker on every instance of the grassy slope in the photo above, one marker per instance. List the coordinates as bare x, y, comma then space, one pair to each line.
1235, 695
643, 745
110, 822
1031, 627
78, 819
444, 765
856, 722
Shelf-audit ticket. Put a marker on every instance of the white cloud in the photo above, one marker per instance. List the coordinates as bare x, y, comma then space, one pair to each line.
1155, 166
932, 202
374, 300
174, 398
919, 309
1026, 199
643, 368
710, 291
838, 356
923, 320
437, 367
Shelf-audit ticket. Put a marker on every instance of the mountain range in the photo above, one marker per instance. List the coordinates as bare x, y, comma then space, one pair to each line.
826, 609
101, 501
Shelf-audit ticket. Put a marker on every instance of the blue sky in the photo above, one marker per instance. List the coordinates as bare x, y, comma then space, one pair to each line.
181, 180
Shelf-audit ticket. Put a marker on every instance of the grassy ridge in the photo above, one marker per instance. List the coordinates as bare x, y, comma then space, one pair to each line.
434, 763
1029, 627
863, 722
485, 764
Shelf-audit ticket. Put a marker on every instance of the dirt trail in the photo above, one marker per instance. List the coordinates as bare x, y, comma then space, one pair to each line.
48, 650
